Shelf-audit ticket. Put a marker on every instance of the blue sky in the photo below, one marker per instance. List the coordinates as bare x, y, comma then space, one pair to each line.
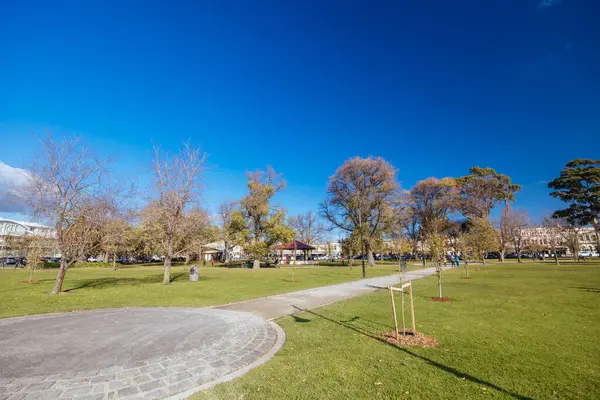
434, 87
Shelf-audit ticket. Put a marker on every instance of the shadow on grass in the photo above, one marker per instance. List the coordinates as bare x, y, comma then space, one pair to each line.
99, 283
590, 289
374, 335
571, 263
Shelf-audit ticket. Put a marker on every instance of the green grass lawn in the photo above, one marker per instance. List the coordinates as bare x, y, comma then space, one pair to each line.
514, 331
89, 288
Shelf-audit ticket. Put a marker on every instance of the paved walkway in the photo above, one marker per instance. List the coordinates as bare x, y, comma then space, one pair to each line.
152, 353
128, 353
289, 303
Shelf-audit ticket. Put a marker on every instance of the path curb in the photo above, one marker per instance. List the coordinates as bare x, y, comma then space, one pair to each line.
237, 373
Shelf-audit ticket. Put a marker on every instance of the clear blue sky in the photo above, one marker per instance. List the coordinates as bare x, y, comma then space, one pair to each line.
435, 87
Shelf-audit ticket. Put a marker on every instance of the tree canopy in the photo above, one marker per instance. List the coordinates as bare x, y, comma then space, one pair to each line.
481, 190
579, 186
265, 224
360, 196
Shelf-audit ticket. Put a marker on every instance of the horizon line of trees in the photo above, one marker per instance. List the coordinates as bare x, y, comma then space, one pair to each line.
71, 188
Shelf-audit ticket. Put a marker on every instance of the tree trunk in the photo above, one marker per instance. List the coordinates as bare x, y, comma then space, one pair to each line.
30, 275
519, 256
60, 277
167, 273
114, 262
596, 226
556, 257
439, 282
502, 252
483, 258
256, 264
168, 259
226, 252
369, 253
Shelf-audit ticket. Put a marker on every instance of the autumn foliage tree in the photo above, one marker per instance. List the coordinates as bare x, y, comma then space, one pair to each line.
481, 238
265, 225
231, 223
359, 199
434, 200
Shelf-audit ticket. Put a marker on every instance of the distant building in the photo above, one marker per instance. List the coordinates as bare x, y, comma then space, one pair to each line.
215, 251
327, 249
540, 236
11, 228
20, 228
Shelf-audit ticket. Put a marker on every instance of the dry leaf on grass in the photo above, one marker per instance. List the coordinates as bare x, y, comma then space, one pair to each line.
411, 340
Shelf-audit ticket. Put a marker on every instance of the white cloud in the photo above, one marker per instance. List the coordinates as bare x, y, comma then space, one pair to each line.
12, 181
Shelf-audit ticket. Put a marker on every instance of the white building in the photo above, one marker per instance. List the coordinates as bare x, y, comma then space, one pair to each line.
333, 249
11, 228
541, 236
215, 250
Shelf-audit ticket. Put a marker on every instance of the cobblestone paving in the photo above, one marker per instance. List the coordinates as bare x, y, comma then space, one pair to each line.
207, 344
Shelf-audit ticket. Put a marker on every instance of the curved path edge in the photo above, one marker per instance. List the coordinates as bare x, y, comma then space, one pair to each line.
279, 341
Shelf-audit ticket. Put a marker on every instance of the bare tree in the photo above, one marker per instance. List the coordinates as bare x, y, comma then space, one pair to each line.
64, 184
192, 228
309, 229
359, 199
504, 235
177, 185
570, 234
435, 242
412, 229
514, 224
552, 229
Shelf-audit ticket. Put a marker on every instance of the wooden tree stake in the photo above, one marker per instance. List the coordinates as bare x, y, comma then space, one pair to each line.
394, 311
412, 310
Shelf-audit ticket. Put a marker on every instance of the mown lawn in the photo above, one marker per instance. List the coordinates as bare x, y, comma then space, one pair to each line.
90, 288
514, 331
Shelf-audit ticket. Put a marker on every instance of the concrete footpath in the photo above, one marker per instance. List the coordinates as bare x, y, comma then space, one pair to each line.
152, 353
288, 303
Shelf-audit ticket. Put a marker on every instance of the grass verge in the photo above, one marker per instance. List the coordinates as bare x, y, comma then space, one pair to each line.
91, 288
515, 331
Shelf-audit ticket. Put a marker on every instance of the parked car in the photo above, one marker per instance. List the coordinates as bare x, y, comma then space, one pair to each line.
8, 260
13, 261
